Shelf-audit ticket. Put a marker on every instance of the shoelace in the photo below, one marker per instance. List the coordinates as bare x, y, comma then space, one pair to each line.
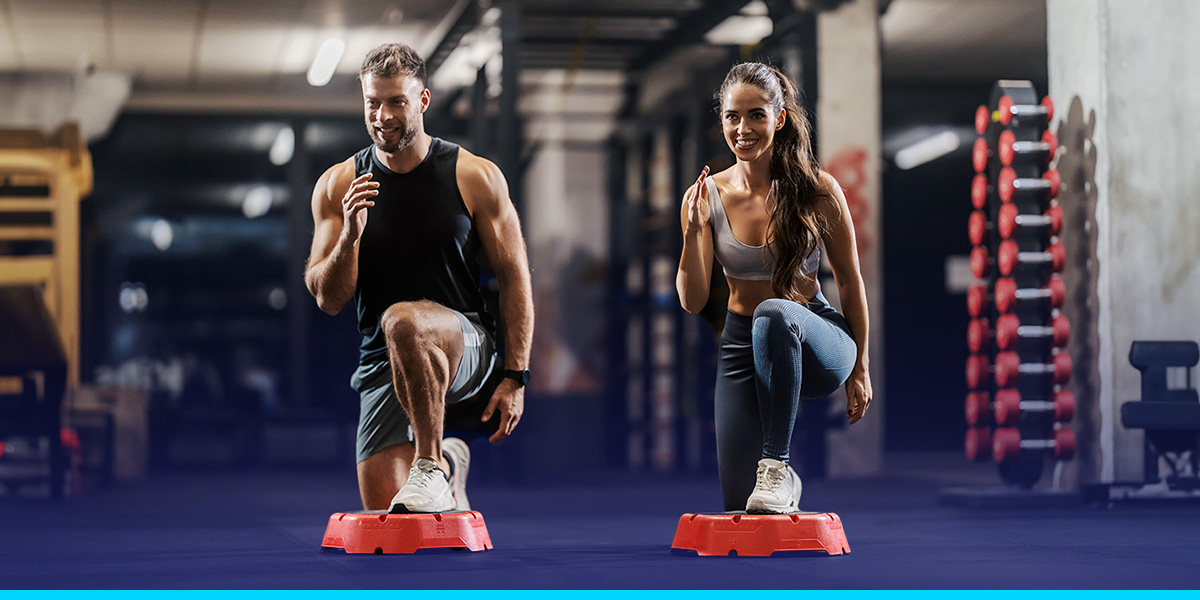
771, 478
422, 477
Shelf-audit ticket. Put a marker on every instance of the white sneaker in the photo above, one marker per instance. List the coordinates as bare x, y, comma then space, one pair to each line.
458, 454
426, 491
776, 490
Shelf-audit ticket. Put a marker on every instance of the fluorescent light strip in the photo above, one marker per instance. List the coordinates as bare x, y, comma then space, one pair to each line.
326, 62
284, 146
927, 149
743, 30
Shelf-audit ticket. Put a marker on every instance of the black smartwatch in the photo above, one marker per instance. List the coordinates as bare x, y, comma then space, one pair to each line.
521, 377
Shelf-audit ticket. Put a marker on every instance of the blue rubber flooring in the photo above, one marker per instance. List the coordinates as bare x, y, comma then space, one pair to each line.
262, 529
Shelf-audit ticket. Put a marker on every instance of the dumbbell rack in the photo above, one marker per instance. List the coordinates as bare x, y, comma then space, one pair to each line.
1016, 420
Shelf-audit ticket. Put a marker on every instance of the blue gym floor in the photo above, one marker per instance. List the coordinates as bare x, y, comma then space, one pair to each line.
262, 529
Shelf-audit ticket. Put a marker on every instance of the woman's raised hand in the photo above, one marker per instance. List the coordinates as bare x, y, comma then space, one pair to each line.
697, 203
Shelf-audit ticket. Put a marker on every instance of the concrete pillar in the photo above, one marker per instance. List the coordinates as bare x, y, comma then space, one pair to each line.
1124, 78
848, 127
299, 303
509, 144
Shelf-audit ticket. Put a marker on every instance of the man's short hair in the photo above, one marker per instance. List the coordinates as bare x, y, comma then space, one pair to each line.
393, 60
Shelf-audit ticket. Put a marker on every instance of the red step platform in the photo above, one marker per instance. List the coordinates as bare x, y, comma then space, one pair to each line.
723, 534
377, 532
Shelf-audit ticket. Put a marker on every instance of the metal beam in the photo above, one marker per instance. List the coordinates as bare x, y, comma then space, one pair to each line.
466, 20
601, 12
441, 107
690, 30
568, 40
795, 40
509, 142
481, 139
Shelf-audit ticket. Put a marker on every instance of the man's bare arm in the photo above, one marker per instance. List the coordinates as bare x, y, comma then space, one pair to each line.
339, 215
486, 193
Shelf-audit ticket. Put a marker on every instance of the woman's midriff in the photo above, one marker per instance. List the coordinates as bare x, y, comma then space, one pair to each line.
745, 295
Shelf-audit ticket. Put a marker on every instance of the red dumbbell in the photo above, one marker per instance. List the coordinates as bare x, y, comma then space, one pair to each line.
1008, 185
1010, 147
979, 190
1007, 444
1010, 219
977, 300
979, 155
979, 335
978, 443
983, 117
979, 371
1008, 111
1008, 294
1009, 406
977, 227
1009, 331
977, 408
1009, 368
1010, 257
981, 262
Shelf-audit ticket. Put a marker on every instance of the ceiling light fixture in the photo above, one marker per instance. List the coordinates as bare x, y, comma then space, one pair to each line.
749, 27
927, 149
326, 62
162, 234
284, 146
257, 201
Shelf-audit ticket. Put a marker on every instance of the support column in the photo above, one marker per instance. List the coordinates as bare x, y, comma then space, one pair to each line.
300, 231
848, 126
479, 131
1126, 86
509, 144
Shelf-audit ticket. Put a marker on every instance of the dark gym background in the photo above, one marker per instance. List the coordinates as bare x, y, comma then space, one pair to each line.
193, 243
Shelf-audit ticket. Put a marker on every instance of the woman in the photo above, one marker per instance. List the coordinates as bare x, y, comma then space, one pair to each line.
765, 219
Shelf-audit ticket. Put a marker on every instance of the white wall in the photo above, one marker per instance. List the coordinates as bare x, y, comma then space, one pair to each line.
848, 125
1135, 65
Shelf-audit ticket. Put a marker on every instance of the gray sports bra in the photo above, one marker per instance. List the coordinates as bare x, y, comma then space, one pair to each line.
738, 260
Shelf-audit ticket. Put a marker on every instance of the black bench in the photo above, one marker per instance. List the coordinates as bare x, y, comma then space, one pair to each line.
1170, 417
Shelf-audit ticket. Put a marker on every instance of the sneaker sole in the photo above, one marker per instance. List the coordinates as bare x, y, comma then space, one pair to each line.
400, 509
757, 508
457, 451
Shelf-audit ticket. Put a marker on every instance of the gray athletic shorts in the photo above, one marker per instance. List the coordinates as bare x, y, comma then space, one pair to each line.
381, 421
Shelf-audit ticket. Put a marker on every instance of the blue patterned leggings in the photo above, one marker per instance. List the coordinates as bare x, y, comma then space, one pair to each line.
767, 363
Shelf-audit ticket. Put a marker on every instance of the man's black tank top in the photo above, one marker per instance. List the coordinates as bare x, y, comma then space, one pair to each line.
419, 244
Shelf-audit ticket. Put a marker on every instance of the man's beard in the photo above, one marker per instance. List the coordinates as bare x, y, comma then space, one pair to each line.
405, 139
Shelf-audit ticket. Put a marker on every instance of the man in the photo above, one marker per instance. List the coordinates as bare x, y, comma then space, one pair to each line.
399, 227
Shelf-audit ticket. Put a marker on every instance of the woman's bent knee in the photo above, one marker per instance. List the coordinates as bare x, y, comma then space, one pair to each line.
772, 308
776, 316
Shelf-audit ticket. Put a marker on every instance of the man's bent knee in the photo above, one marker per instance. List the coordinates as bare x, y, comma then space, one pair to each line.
416, 324
402, 322
423, 331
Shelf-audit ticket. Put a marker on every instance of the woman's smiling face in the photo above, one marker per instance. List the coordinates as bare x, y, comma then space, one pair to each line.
749, 121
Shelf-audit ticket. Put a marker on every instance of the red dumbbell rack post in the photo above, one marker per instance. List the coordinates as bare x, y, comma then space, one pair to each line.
1016, 409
